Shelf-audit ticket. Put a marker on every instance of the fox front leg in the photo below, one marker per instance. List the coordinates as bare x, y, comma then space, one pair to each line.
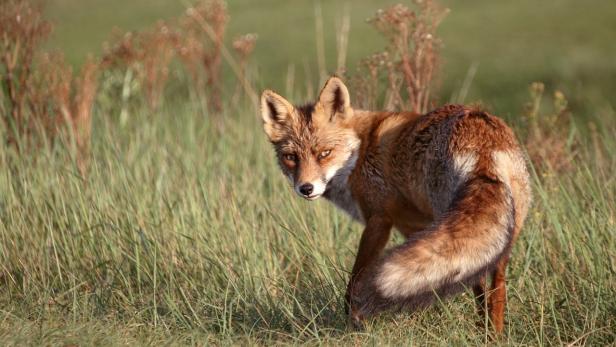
373, 240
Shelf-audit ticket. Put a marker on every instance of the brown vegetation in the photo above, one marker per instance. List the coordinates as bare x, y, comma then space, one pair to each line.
546, 139
22, 30
409, 63
203, 29
243, 46
148, 53
196, 38
40, 93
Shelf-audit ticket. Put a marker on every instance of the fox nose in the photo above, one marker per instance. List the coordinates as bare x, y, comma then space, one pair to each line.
306, 189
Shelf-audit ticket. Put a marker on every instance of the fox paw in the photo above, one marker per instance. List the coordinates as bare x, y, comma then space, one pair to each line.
356, 320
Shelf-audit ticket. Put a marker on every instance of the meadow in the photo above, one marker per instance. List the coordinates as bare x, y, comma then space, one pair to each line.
182, 231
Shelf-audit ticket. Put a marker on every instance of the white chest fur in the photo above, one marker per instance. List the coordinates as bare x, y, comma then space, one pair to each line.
339, 192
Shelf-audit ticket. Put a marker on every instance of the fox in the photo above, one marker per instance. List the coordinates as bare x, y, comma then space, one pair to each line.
453, 182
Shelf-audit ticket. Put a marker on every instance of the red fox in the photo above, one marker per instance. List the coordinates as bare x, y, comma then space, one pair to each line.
453, 181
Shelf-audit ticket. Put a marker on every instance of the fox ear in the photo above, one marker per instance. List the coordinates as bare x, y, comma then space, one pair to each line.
334, 98
275, 111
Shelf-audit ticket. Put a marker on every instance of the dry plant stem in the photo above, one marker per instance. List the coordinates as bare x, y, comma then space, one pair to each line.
395, 99
597, 148
466, 84
81, 120
45, 99
290, 80
308, 81
320, 41
205, 48
201, 51
158, 52
149, 54
22, 30
243, 46
549, 149
412, 56
229, 58
342, 40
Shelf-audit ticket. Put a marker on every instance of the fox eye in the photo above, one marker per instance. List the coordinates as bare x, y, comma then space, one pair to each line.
289, 157
325, 153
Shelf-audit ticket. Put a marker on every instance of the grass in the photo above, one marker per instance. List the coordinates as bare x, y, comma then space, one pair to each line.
185, 232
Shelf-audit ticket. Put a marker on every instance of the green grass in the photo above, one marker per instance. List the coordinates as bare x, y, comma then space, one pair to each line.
185, 232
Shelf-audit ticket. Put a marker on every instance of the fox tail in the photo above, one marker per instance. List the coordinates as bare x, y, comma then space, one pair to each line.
463, 244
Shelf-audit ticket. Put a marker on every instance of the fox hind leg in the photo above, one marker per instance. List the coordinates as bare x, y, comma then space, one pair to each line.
498, 295
492, 299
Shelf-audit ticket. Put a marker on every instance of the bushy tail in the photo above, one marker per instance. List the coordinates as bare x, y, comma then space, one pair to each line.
463, 244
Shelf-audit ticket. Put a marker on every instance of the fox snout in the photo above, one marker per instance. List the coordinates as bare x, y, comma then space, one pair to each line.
310, 190
306, 189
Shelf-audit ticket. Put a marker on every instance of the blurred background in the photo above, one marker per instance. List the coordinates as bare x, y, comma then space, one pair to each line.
567, 44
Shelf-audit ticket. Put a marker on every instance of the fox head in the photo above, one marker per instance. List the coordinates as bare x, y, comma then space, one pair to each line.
315, 143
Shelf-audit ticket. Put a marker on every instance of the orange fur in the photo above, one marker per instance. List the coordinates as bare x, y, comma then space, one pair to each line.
453, 181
